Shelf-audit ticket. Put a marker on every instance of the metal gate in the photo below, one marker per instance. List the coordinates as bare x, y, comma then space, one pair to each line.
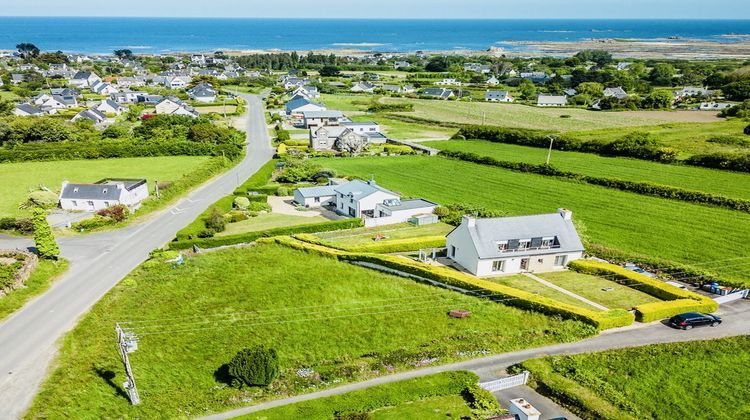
505, 383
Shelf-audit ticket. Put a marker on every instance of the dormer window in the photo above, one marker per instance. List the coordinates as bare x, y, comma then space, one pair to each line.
75, 190
524, 244
502, 246
548, 242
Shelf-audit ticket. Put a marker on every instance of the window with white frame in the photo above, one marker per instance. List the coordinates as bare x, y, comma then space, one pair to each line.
524, 243
502, 246
498, 265
548, 242
560, 260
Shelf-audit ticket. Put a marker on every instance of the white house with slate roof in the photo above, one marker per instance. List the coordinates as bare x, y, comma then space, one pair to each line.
552, 100
508, 245
103, 194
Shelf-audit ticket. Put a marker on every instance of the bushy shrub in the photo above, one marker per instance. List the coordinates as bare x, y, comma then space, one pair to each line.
241, 203
237, 216
206, 233
117, 213
216, 221
441, 211
722, 160
256, 366
299, 170
46, 245
391, 107
398, 149
456, 212
43, 199
282, 191
259, 206
481, 399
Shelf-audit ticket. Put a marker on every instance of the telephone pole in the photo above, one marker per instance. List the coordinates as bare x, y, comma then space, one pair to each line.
127, 342
549, 153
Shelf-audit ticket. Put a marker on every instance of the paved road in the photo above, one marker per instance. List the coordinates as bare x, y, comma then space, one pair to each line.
28, 339
736, 322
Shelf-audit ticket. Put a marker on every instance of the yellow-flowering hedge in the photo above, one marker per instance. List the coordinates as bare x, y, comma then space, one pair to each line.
380, 247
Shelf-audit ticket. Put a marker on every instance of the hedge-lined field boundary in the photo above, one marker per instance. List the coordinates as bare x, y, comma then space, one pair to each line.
380, 247
510, 296
674, 300
218, 241
639, 187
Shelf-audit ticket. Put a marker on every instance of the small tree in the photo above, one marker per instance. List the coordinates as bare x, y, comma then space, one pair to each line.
216, 221
256, 366
46, 246
241, 203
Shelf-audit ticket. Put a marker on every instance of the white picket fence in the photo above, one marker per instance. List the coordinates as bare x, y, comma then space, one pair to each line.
505, 383
741, 294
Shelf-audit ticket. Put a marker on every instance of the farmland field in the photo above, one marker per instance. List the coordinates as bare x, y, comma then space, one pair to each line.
644, 225
726, 183
337, 321
652, 382
19, 178
522, 116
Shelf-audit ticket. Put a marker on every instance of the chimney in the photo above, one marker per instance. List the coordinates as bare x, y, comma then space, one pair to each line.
566, 214
469, 220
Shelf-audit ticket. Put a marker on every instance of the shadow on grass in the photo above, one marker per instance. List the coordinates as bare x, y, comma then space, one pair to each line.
108, 377
222, 374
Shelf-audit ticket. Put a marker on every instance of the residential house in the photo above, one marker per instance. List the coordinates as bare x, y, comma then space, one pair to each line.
93, 115
84, 79
507, 245
570, 92
130, 82
314, 119
203, 92
293, 82
27, 110
363, 87
692, 92
108, 106
477, 68
127, 97
175, 106
103, 194
617, 92
177, 82
17, 78
492, 81
102, 88
448, 82
362, 127
299, 105
439, 93
343, 138
624, 65
147, 99
308, 92
47, 101
535, 76
65, 92
398, 88
359, 198
498, 96
552, 100
401, 65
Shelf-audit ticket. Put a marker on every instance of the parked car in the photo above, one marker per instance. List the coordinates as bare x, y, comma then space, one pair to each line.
689, 320
639, 270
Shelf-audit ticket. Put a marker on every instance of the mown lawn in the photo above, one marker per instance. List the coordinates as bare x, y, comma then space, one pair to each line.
726, 183
598, 289
522, 116
701, 236
19, 178
39, 281
269, 221
696, 380
447, 407
364, 236
522, 282
340, 321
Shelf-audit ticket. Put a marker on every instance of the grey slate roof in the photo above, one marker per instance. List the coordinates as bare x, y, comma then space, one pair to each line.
321, 191
488, 232
29, 109
416, 203
360, 189
106, 189
323, 114
300, 102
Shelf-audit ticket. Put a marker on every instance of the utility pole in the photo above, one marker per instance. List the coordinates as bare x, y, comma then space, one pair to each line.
549, 153
127, 342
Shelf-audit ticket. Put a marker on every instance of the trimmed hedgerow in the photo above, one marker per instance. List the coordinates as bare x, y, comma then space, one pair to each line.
510, 296
259, 178
380, 247
253, 236
639, 187
676, 300
739, 162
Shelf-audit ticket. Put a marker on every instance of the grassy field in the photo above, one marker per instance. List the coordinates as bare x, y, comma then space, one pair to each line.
698, 380
364, 236
522, 282
19, 178
8, 96
696, 235
39, 281
599, 290
269, 221
307, 307
688, 137
429, 397
726, 183
521, 116
219, 109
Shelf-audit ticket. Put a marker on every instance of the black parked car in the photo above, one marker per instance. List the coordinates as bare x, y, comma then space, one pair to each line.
689, 320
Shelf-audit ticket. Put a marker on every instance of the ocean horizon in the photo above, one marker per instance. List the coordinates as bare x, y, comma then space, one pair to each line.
101, 35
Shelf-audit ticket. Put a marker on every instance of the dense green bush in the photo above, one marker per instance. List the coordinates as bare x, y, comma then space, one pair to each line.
392, 107
454, 212
117, 213
739, 162
241, 203
481, 399
45, 243
645, 188
256, 366
184, 243
732, 140
216, 221
398, 149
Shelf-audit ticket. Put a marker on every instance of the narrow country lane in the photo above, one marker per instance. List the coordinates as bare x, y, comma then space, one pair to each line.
29, 338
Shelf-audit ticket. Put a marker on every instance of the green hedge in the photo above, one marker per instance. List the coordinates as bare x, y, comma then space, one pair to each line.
677, 300
258, 179
644, 188
253, 236
193, 229
106, 149
380, 247
730, 161
539, 138
366, 400
514, 297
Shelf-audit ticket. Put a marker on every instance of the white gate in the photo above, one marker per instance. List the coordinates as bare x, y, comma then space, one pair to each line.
732, 297
505, 383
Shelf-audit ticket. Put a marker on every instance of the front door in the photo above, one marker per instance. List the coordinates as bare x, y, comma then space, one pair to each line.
524, 264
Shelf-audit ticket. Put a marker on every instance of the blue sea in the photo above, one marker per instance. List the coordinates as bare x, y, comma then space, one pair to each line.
164, 35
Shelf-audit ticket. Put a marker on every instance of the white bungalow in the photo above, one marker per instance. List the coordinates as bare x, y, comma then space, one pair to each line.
103, 194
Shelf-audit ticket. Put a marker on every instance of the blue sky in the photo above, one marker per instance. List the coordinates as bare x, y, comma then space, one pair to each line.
678, 9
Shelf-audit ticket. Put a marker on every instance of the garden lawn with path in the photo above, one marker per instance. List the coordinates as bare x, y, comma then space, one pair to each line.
20, 178
636, 224
693, 380
519, 281
329, 321
598, 289
714, 181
